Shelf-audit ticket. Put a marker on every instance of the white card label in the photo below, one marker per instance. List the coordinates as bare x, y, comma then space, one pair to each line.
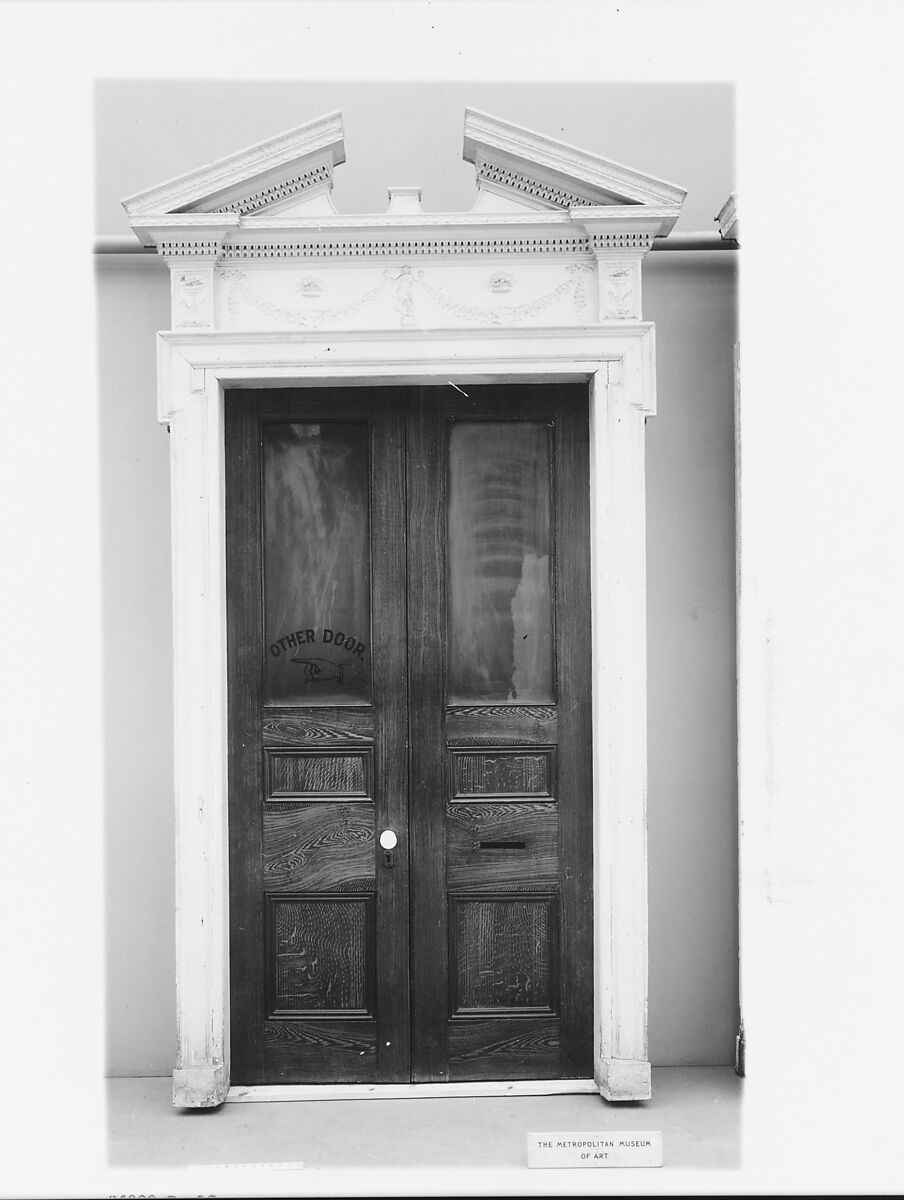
622, 1148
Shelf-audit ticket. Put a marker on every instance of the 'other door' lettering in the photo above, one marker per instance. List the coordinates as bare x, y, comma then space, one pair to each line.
328, 637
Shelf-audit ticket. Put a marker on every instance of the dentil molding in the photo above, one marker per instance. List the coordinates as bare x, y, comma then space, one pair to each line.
270, 204
554, 171
256, 173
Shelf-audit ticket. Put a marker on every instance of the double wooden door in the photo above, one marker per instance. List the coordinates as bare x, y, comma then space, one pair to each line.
409, 731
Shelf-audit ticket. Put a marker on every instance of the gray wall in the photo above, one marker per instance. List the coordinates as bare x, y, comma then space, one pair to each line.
147, 132
692, 798
137, 676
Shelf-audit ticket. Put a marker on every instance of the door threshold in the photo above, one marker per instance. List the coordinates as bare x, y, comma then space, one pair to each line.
284, 1092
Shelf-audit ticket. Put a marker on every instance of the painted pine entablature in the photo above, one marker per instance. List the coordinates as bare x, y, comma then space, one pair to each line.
556, 237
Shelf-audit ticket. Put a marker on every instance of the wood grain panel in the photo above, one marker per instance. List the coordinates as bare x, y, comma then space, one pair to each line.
574, 784
315, 847
310, 773
484, 844
505, 772
500, 1048
320, 957
247, 947
390, 659
500, 723
324, 726
426, 669
495, 833
335, 1051
504, 953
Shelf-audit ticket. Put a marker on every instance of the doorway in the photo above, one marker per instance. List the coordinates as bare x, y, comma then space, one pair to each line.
410, 810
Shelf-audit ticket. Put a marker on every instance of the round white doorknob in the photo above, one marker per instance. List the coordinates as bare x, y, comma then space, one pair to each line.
388, 839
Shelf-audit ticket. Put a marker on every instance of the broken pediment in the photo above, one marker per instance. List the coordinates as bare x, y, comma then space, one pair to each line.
289, 174
556, 237
519, 168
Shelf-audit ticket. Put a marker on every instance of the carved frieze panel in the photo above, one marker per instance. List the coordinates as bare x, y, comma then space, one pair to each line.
405, 295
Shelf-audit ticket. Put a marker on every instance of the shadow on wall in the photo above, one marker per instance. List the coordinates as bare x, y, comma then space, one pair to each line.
692, 724
132, 304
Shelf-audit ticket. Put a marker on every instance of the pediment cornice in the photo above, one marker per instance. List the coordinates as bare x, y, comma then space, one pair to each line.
537, 169
535, 195
581, 230
257, 178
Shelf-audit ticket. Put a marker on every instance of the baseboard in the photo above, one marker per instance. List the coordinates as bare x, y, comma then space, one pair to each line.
407, 1091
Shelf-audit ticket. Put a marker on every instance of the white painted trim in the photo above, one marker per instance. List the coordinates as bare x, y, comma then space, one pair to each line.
111, 248
619, 735
189, 229
623, 1079
727, 218
199, 682
322, 139
494, 140
408, 1091
194, 368
335, 237
618, 215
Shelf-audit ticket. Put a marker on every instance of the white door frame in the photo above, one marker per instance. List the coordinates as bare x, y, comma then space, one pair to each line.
194, 369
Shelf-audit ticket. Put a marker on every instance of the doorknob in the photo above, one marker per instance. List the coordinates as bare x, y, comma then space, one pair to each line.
388, 841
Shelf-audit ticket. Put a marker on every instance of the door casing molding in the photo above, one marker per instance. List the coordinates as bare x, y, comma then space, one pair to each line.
194, 370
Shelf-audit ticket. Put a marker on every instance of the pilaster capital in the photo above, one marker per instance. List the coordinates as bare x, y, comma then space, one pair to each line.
620, 229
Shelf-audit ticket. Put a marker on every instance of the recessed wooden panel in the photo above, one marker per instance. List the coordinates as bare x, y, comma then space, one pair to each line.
307, 774
500, 724
320, 955
319, 847
505, 844
314, 1051
503, 953
504, 1048
504, 772
325, 727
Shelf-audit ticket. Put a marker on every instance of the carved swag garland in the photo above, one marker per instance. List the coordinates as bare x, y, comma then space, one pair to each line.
407, 281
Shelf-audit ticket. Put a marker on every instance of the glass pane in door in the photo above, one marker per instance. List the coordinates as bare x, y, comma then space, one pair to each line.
499, 567
316, 563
